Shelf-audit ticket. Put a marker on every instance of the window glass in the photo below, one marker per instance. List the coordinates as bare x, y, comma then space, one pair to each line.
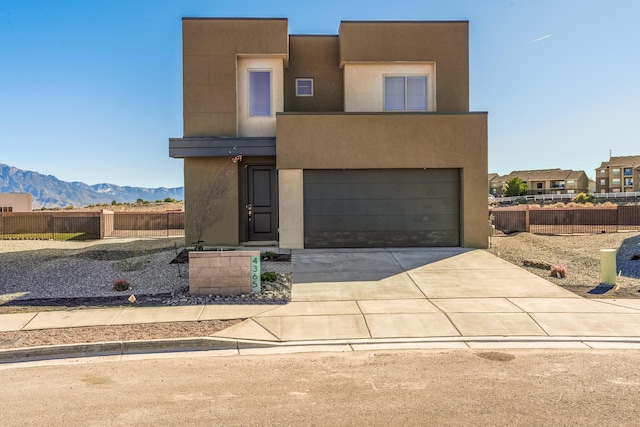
416, 93
259, 93
602, 182
405, 93
616, 171
304, 87
394, 93
616, 181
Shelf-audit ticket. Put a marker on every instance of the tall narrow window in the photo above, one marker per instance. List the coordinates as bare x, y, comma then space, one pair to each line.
405, 93
259, 93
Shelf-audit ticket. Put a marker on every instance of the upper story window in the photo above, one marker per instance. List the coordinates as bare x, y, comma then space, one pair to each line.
628, 171
405, 93
602, 172
259, 93
304, 87
570, 183
6, 209
615, 171
603, 182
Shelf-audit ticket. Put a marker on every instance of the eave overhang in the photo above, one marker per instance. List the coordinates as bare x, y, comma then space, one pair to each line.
180, 148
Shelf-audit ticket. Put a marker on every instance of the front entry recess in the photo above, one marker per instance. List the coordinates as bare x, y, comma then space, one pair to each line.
262, 203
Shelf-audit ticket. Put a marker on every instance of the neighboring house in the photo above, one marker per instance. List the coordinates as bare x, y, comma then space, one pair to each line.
16, 202
495, 184
619, 174
544, 181
361, 139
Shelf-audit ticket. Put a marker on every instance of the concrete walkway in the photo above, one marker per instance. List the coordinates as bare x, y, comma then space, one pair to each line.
396, 298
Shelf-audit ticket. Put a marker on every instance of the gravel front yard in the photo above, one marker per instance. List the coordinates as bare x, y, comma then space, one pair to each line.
581, 255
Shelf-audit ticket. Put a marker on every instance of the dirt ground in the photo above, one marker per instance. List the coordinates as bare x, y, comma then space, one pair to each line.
580, 254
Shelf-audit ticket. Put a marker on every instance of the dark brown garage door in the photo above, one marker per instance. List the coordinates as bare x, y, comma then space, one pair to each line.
381, 208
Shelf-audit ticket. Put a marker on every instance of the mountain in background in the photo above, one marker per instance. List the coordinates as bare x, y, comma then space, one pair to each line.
49, 192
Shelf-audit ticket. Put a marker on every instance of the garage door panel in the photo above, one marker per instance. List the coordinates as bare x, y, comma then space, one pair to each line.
381, 176
382, 207
381, 190
428, 222
379, 239
389, 207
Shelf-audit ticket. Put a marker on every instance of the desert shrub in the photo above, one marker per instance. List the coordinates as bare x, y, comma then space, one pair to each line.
558, 271
584, 198
158, 201
69, 207
268, 255
169, 200
521, 200
268, 276
120, 285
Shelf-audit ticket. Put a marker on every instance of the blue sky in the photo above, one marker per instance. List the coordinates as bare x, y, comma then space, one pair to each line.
91, 90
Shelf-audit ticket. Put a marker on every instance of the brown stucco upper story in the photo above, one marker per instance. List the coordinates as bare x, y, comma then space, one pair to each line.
211, 47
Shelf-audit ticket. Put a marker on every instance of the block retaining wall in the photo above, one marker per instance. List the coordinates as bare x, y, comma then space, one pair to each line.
220, 273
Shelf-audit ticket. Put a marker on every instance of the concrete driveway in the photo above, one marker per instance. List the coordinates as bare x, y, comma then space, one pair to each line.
391, 294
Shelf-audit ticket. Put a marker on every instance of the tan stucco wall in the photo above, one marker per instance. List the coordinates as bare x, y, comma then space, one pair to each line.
388, 140
314, 57
209, 49
265, 125
291, 193
364, 84
18, 202
445, 43
198, 171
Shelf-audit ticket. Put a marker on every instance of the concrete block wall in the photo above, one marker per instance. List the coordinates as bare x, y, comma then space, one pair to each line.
220, 272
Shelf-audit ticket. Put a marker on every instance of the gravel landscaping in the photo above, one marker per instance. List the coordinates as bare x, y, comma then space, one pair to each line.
71, 274
580, 254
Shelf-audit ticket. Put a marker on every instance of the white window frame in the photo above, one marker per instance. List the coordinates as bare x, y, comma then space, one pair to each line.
249, 92
406, 77
301, 80
571, 183
615, 171
615, 181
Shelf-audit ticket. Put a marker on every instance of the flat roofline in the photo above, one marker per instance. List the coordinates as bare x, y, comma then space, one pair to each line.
314, 35
461, 21
231, 18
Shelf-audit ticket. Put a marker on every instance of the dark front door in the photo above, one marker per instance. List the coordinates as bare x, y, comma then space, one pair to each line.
262, 207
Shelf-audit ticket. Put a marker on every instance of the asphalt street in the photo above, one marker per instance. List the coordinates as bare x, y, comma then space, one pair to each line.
452, 387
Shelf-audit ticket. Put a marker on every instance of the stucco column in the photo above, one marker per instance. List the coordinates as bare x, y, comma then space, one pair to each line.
291, 205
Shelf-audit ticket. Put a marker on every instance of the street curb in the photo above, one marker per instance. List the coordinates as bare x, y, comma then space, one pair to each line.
180, 345
114, 348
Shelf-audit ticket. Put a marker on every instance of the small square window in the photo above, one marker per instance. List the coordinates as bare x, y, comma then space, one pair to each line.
616, 171
304, 87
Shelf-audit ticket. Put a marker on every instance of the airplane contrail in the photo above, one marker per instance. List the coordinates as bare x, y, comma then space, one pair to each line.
540, 38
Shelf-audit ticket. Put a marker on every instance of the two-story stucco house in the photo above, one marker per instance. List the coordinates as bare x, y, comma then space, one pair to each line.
361, 139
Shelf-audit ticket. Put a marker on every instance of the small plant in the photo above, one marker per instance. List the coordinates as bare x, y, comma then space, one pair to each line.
268, 255
268, 276
559, 271
521, 201
120, 285
69, 207
169, 200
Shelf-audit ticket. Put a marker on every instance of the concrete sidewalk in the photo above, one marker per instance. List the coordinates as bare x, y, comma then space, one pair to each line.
396, 298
